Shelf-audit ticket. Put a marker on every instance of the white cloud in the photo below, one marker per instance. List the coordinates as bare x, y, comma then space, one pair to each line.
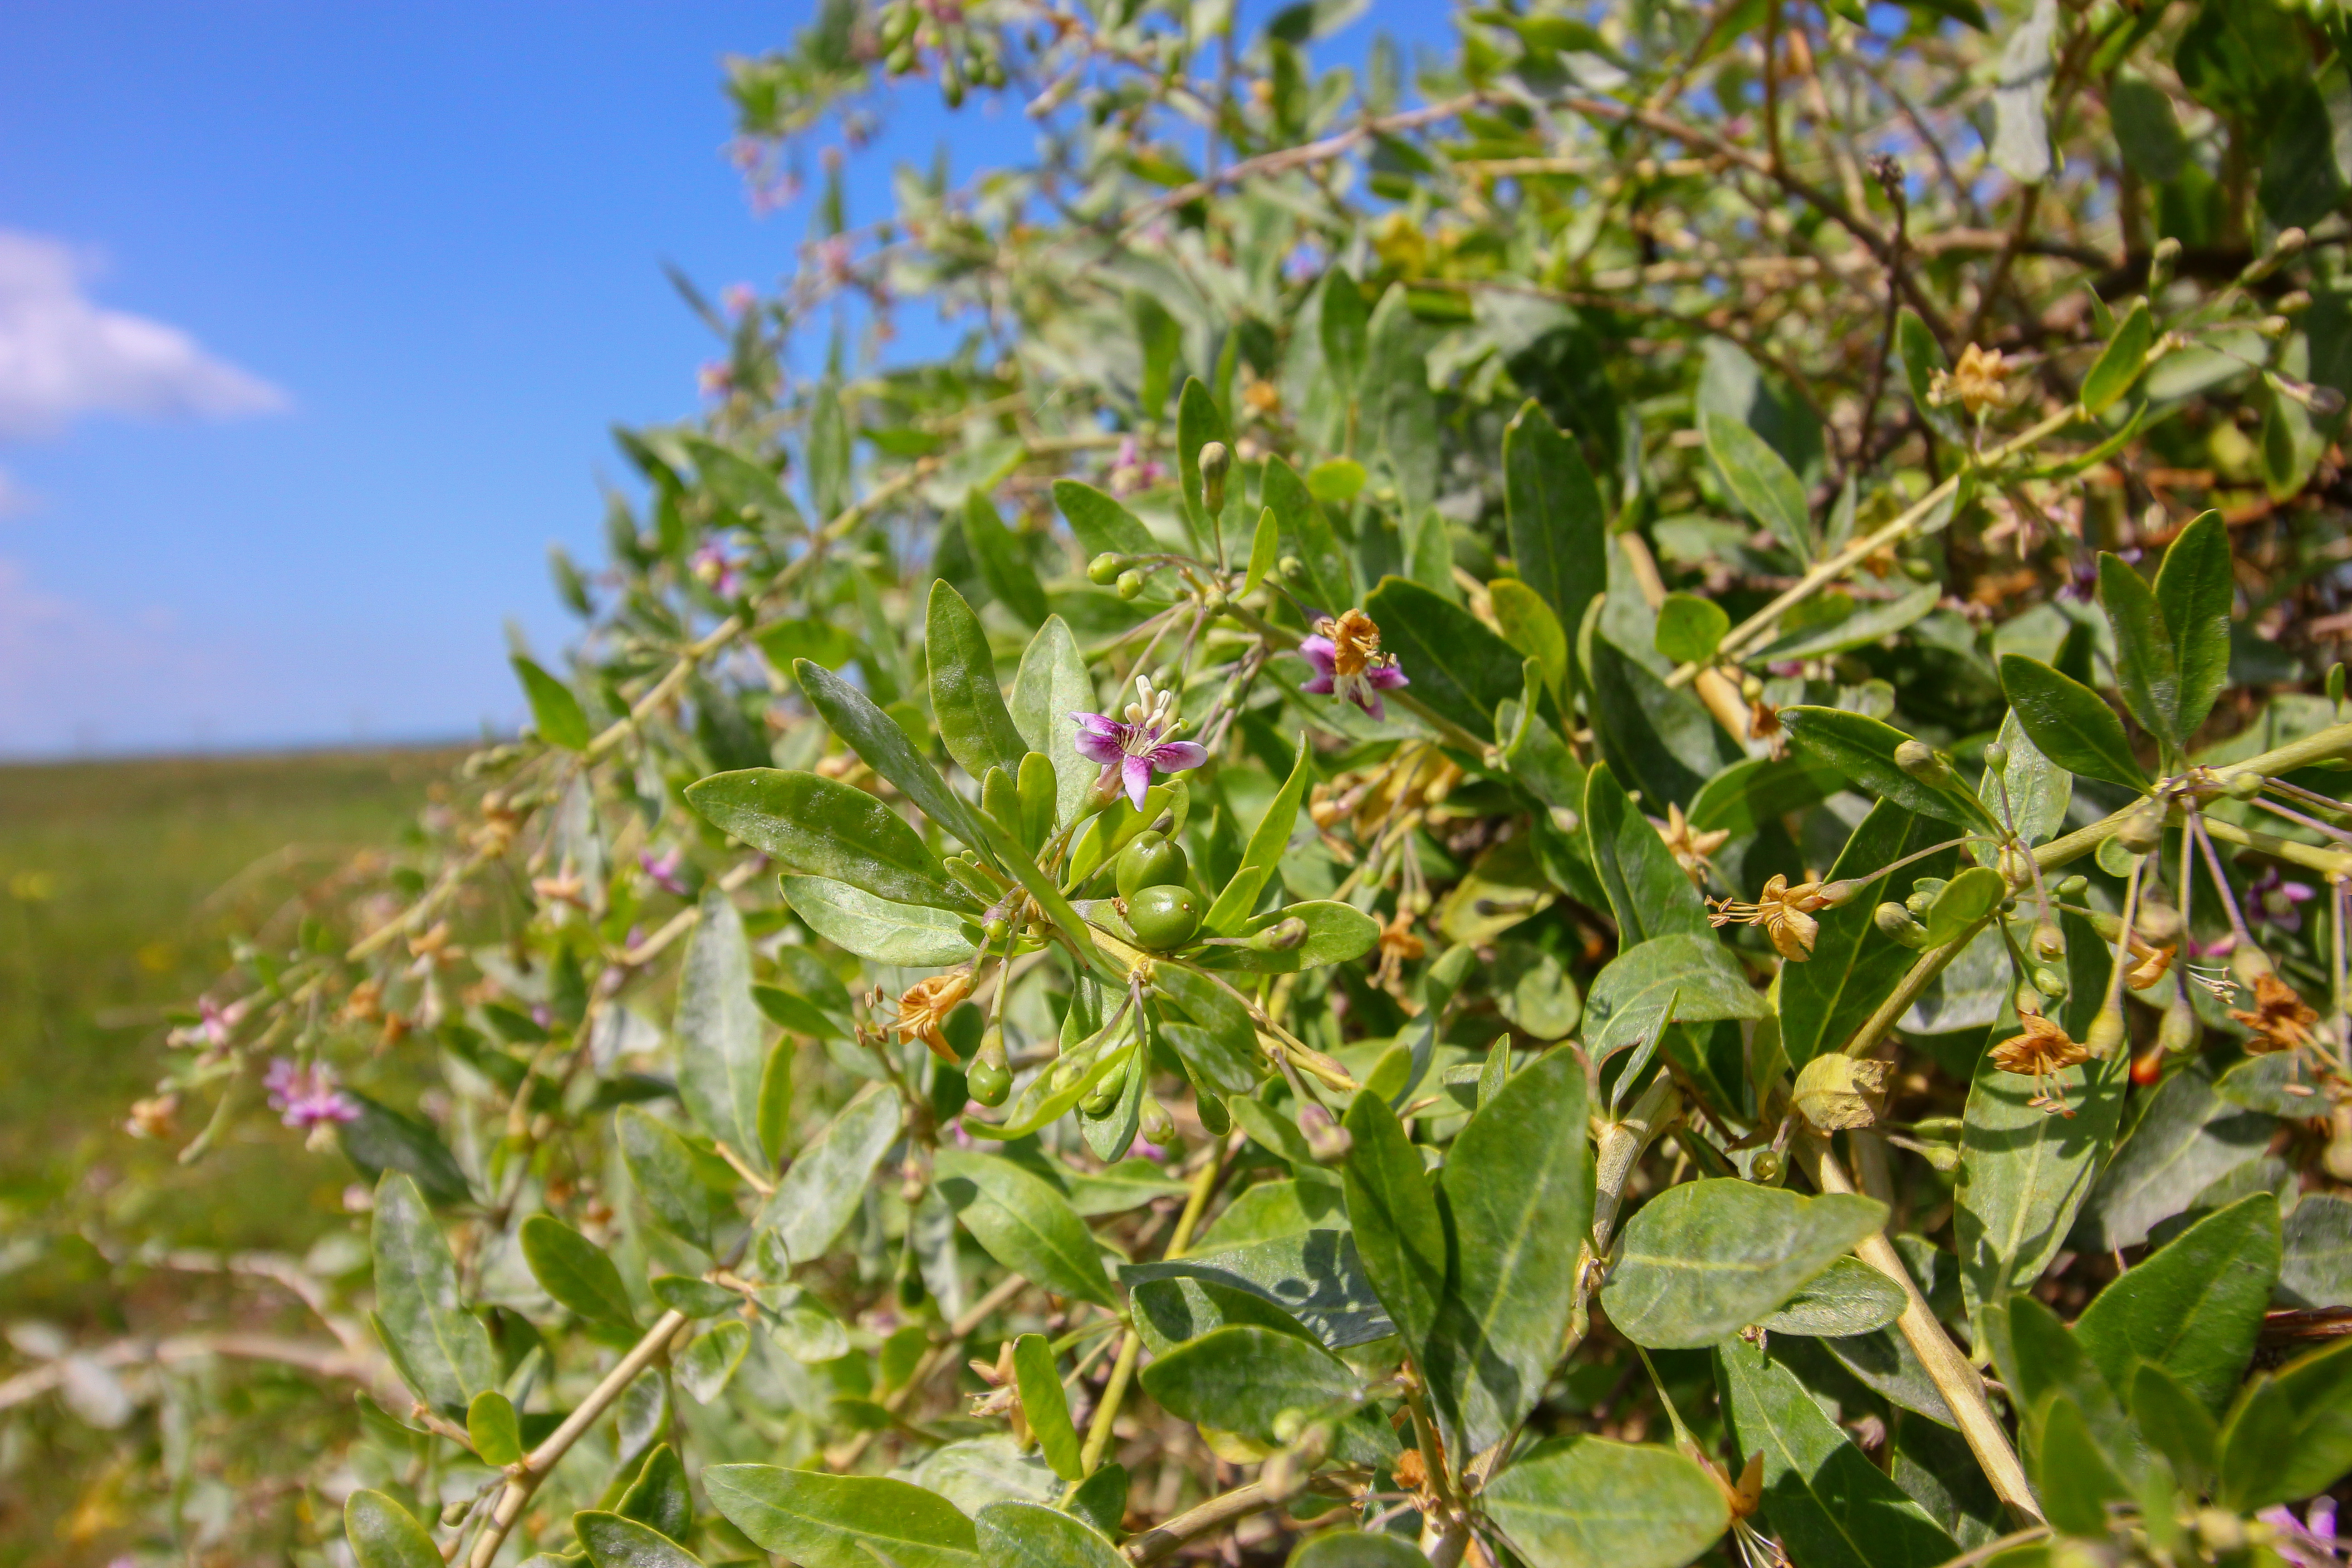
63, 355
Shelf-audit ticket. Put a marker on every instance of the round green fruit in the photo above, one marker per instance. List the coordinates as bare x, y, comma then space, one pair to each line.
1149, 860
1164, 916
989, 1083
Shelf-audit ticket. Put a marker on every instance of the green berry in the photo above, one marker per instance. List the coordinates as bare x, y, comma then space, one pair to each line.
1149, 860
1104, 569
989, 1083
1131, 584
1164, 916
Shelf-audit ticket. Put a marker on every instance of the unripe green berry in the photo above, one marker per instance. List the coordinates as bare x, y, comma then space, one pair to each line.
1767, 1166
1131, 584
989, 1081
1164, 916
1104, 569
995, 929
2050, 982
1150, 860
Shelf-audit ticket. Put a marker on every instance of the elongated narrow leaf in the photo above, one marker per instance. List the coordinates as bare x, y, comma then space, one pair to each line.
2120, 362
1325, 582
1517, 1188
2147, 671
1336, 933
1024, 1222
1458, 668
660, 1497
1848, 1297
1045, 1406
1198, 423
2194, 1307
966, 702
2073, 1472
554, 711
1102, 524
1855, 966
842, 1522
2030, 789
1016, 1534
1051, 685
613, 1542
1398, 1231
721, 1058
912, 935
827, 1179
1706, 980
1588, 1503
1529, 625
1706, 1259
1558, 530
2070, 724
877, 738
688, 1189
1244, 1376
1690, 628
2186, 1138
1316, 1277
1649, 893
1866, 624
1922, 358
383, 1535
577, 1272
2194, 589
2289, 1434
1002, 560
1262, 856
1862, 749
1746, 795
441, 1348
1357, 1549
1760, 481
1829, 1504
826, 828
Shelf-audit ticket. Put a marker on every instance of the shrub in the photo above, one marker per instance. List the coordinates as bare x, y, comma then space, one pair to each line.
1504, 830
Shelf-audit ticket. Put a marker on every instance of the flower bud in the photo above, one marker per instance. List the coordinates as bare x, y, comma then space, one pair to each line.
1159, 1126
2073, 886
1750, 689
2107, 1033
1833, 1090
2049, 942
1104, 569
1901, 924
1923, 895
1923, 762
2178, 1033
2292, 304
1100, 1101
2142, 829
1996, 757
2052, 983
1327, 1140
1919, 570
1833, 894
1291, 567
1212, 601
1282, 936
2156, 921
2160, 263
1216, 461
2246, 787
1066, 1073
1131, 584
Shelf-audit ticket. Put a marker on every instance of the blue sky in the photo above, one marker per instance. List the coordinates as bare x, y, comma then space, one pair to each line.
313, 319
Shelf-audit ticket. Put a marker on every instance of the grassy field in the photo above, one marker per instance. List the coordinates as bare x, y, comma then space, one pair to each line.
120, 884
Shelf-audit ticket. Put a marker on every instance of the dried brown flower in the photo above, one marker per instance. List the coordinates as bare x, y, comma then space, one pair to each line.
1977, 383
2281, 1020
924, 1006
1689, 846
1399, 947
2044, 1049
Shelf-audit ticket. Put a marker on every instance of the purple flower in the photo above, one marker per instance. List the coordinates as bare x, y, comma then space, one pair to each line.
307, 1097
2310, 1541
663, 869
1132, 472
1348, 663
1132, 751
2278, 901
711, 565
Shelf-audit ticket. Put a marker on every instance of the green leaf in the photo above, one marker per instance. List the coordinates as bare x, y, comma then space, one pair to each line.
1400, 412
2069, 723
1746, 795
966, 702
691, 1193
1357, 1549
828, 1180
1336, 480
1168, 1312
2146, 669
1690, 628
1265, 550
1518, 1190
1831, 1507
1024, 1222
1268, 842
1103, 526
1052, 684
555, 712
491, 1426
1015, 1534
2120, 363
1660, 741
381, 1139
2194, 589
2034, 789
2041, 1360
1625, 994
1855, 966
2184, 1139
830, 490
1862, 749
386, 1535
1316, 1277
1558, 527
1341, 326
1760, 481
842, 1522
613, 1541
1047, 897
910, 935
1125, 1185
1241, 1377
577, 1272
826, 828
1325, 582
1922, 358
2289, 1434
2193, 1307
1100, 1500
695, 1298
1706, 1259
1458, 668
2146, 129
1228, 1059
1530, 626
2072, 1473
708, 1361
1964, 901
1044, 1404
441, 1350
2317, 1267
1849, 1298
2024, 1172
721, 1058
2021, 96
1588, 1503
1002, 560
2175, 1423
1398, 1231
1649, 893
1863, 626
883, 746
1198, 423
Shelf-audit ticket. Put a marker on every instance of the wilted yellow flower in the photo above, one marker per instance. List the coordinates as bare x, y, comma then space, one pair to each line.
2152, 964
153, 1118
2044, 1049
924, 1006
2281, 1021
1399, 947
1975, 382
1690, 847
1786, 913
